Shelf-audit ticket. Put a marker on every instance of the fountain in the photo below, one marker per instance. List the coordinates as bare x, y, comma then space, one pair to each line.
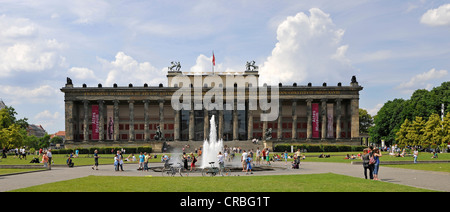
212, 147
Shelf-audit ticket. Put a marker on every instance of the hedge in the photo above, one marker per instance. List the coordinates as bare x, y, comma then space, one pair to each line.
103, 150
319, 148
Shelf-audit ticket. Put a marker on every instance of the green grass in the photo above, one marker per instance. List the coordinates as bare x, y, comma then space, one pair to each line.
12, 171
280, 183
440, 167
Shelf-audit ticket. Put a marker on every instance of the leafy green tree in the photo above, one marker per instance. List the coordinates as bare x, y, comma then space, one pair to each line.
12, 136
402, 134
445, 131
365, 121
433, 132
56, 140
416, 131
388, 121
12, 131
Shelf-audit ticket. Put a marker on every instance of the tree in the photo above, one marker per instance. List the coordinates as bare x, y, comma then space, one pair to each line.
433, 132
56, 140
416, 131
388, 121
12, 131
11, 137
445, 131
402, 134
365, 121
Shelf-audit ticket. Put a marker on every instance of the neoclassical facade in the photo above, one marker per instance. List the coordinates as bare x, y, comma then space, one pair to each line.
136, 113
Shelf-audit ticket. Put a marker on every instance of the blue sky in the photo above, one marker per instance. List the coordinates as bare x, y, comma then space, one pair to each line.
393, 47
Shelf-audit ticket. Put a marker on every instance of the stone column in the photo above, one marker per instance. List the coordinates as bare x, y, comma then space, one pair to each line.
294, 119
264, 130
323, 112
70, 121
220, 127
249, 124
309, 119
176, 125
86, 121
116, 135
235, 123
161, 116
131, 123
354, 104
191, 122
146, 121
338, 118
205, 124
101, 121
280, 121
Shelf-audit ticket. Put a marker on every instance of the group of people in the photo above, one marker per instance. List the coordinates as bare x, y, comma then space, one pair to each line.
371, 162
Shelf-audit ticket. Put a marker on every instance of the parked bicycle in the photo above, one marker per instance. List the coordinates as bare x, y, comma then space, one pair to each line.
213, 171
170, 170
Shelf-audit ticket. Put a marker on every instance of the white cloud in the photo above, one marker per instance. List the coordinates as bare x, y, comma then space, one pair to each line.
308, 48
23, 50
88, 12
422, 80
373, 111
23, 95
81, 73
125, 69
48, 120
16, 27
437, 17
47, 115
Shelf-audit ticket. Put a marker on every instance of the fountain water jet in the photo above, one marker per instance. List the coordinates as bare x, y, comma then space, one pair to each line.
212, 147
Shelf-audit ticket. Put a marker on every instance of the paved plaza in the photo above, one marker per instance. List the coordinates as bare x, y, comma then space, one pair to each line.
439, 181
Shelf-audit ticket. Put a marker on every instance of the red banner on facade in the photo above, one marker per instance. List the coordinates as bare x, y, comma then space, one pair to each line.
95, 134
315, 120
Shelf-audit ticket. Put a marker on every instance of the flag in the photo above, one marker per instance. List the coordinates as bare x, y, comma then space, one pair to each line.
214, 60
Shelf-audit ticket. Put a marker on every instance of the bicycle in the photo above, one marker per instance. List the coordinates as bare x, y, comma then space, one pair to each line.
170, 170
213, 171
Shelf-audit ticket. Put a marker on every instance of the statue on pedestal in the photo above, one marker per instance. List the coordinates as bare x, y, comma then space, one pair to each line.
175, 66
158, 136
250, 66
268, 133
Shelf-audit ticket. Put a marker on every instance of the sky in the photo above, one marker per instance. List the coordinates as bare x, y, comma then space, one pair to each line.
392, 47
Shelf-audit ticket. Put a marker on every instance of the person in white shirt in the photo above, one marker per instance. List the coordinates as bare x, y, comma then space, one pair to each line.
49, 155
244, 161
220, 159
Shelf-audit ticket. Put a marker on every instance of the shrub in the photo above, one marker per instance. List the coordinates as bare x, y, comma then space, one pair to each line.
318, 148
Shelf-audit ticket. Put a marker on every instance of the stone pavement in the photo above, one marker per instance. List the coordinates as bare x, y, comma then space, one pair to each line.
439, 181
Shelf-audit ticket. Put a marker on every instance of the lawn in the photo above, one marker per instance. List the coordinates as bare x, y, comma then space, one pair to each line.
339, 157
13, 171
281, 183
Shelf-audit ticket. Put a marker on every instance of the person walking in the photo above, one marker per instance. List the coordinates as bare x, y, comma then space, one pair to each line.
146, 159
258, 156
95, 166
141, 161
249, 165
415, 154
194, 160
267, 156
244, 160
366, 160
45, 160
376, 155
49, 155
220, 159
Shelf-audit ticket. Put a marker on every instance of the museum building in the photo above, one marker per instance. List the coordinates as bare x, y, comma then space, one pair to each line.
131, 113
